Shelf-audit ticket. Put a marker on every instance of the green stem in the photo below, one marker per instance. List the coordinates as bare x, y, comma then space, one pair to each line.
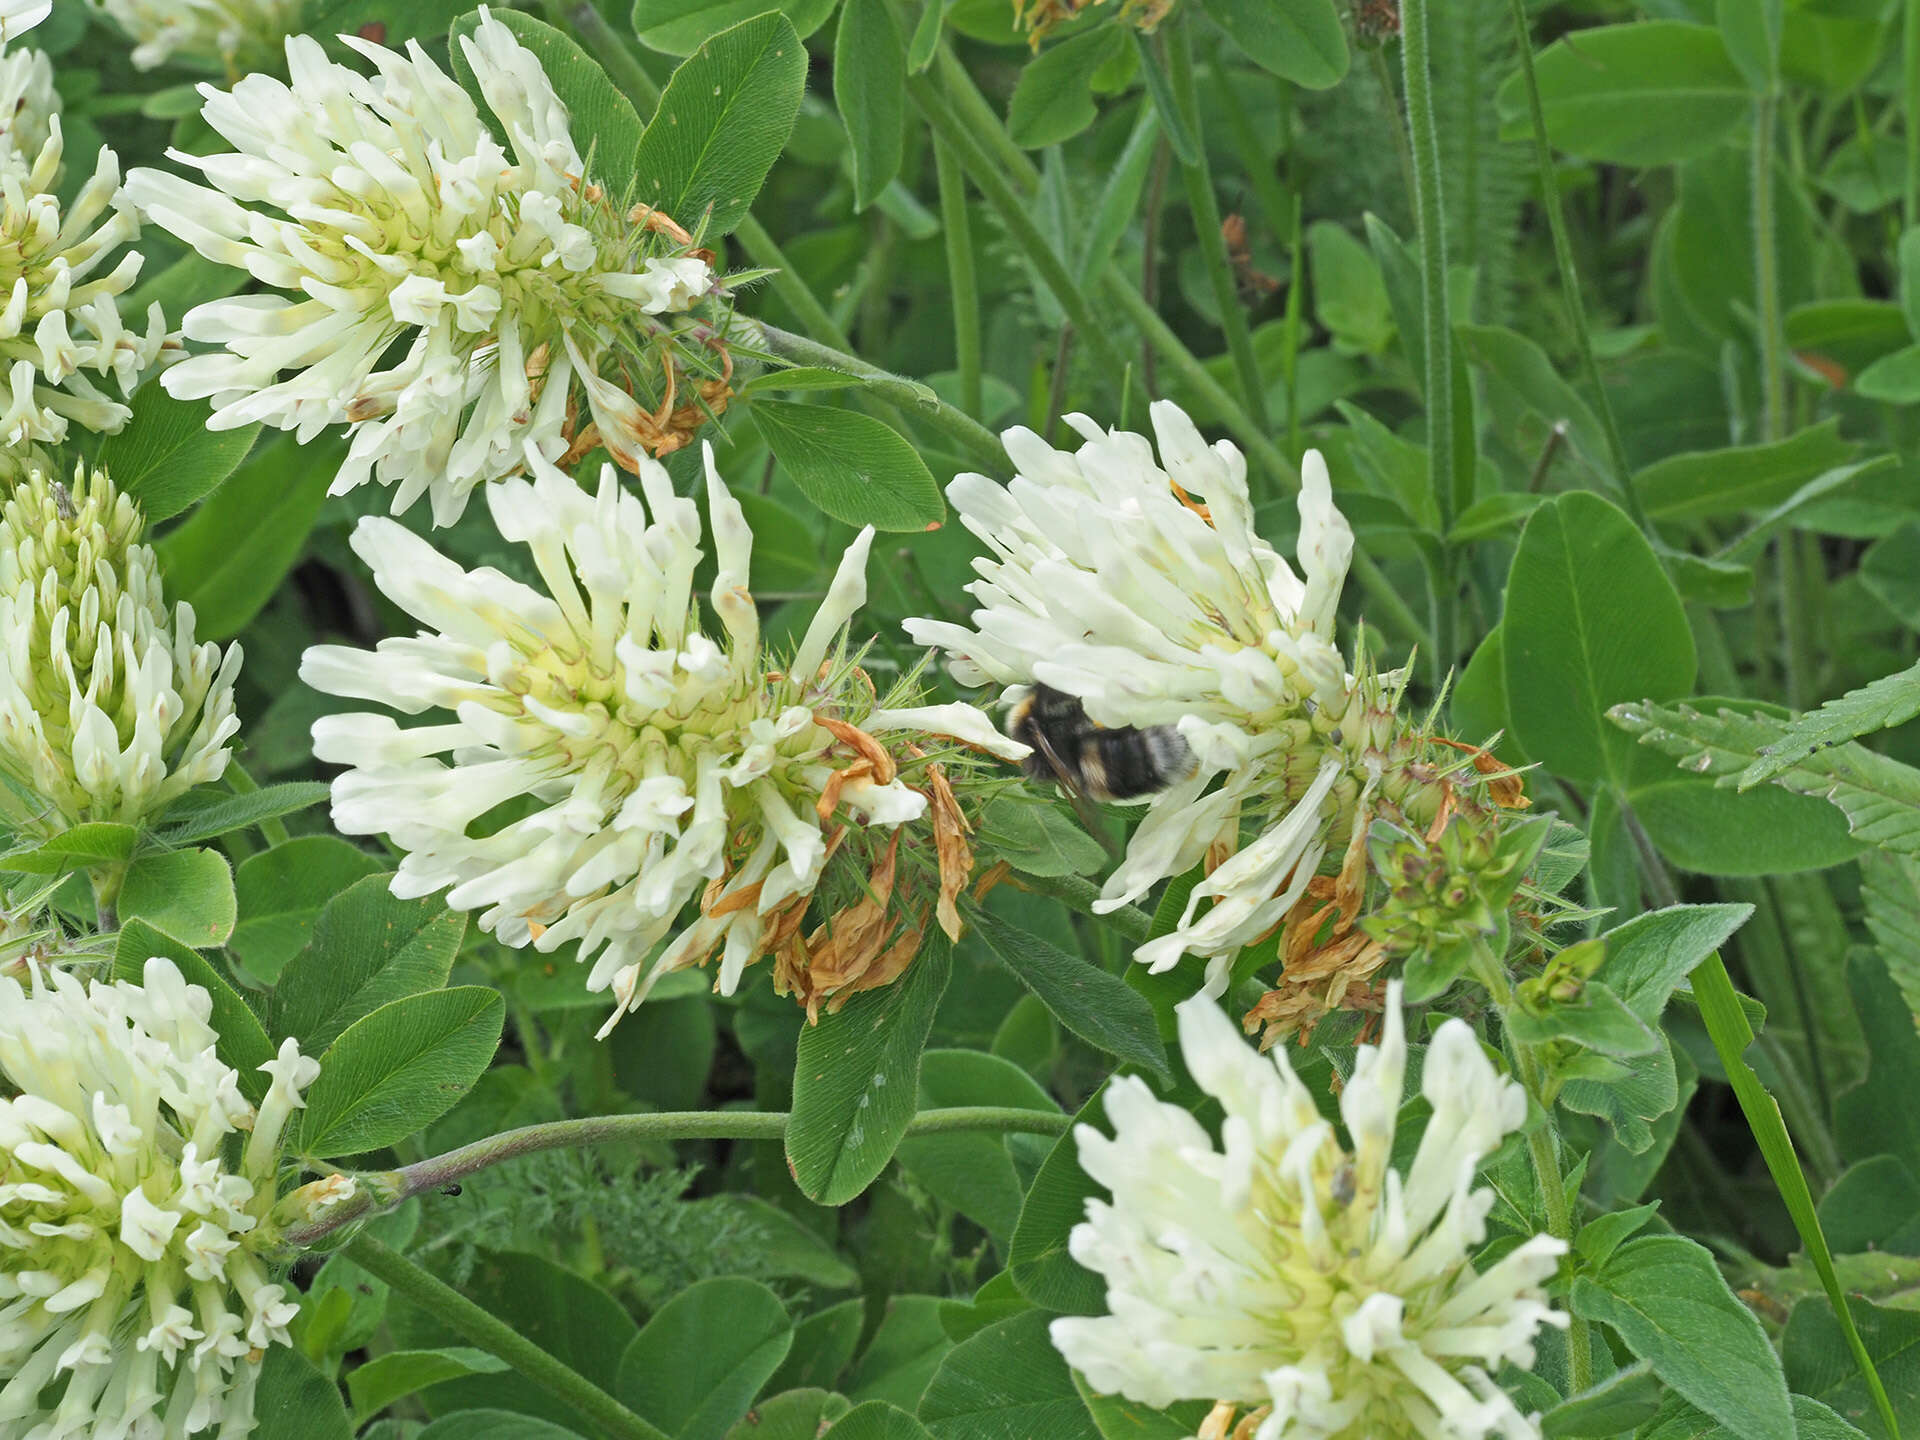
1205, 206
1432, 228
496, 1337
1016, 215
1910, 72
787, 284
1766, 276
917, 399
961, 279
378, 1192
1570, 275
616, 57
979, 117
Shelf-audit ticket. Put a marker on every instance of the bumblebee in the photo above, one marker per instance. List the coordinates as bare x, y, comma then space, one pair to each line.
1091, 760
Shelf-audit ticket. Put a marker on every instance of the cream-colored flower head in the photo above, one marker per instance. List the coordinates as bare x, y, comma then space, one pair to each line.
1331, 1294
608, 762
108, 709
231, 35
449, 300
1141, 589
125, 1218
63, 341
28, 102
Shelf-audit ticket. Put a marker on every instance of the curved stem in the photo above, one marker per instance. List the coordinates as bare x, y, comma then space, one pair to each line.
916, 398
496, 1337
1206, 220
384, 1190
960, 274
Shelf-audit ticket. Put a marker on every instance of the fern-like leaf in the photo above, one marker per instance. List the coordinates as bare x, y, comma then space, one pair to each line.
1890, 886
1891, 700
1880, 797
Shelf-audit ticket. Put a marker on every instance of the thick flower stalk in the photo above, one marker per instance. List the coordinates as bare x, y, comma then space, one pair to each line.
1141, 589
607, 762
1330, 1293
108, 709
450, 301
62, 337
133, 1174
234, 36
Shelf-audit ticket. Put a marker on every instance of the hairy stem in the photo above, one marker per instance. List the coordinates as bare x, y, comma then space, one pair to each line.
496, 1337
918, 400
384, 1190
1206, 220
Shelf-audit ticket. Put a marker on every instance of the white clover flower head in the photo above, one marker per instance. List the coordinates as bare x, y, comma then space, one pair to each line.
597, 761
124, 1234
381, 209
108, 709
1141, 588
1278, 1271
233, 35
61, 333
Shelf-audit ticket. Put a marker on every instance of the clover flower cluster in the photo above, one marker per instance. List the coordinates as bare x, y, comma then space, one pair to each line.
63, 340
125, 1226
108, 709
609, 762
382, 206
235, 35
1141, 589
1330, 1293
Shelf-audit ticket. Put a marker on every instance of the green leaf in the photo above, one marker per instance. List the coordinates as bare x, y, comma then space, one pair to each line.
395, 1071
802, 377
1298, 40
1598, 1020
704, 1355
368, 949
1619, 1403
1648, 93
877, 1420
1591, 620
399, 1373
166, 458
722, 122
95, 842
903, 1354
1819, 1365
1039, 839
870, 89
1890, 888
783, 1246
1053, 99
1667, 1300
1880, 705
856, 1077
1741, 477
187, 893
926, 36
1651, 955
1892, 379
1890, 571
1349, 296
1042, 1268
792, 1415
494, 1425
1525, 369
1118, 1418
1097, 1006
1680, 1421
1879, 796
1874, 1205
294, 1401
231, 554
1712, 829
856, 469
1866, 1123
281, 892
969, 1171
604, 121
206, 814
823, 1344
243, 1042
1007, 1380
679, 27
